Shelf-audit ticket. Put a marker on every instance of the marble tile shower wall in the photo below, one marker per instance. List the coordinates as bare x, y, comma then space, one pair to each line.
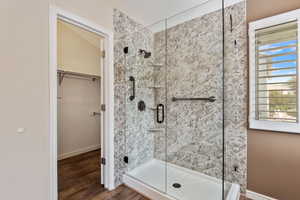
131, 125
194, 129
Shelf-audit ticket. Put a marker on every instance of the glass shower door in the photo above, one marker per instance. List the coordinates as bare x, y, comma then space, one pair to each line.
174, 104
194, 110
145, 106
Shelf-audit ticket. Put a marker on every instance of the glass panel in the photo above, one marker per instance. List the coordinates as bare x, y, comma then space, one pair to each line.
145, 99
195, 127
177, 147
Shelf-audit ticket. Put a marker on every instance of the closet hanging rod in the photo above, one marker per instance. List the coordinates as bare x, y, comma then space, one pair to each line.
77, 74
62, 73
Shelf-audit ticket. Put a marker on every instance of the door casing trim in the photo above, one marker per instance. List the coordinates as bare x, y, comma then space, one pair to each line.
108, 76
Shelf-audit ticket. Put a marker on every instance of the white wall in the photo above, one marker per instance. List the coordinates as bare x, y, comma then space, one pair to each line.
24, 86
78, 129
24, 158
97, 11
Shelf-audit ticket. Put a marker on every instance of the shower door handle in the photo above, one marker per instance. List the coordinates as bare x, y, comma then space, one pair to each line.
162, 108
132, 96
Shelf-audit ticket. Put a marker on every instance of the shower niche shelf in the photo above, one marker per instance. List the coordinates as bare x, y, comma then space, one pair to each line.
152, 108
155, 87
156, 130
156, 65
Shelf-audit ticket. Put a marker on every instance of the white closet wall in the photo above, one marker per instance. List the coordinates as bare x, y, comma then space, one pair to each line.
79, 129
78, 97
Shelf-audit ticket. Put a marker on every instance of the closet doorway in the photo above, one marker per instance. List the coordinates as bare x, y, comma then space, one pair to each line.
80, 106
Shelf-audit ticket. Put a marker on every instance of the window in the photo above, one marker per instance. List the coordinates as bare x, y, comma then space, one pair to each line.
274, 68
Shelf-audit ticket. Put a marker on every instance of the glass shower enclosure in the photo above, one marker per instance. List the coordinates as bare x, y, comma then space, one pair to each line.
174, 137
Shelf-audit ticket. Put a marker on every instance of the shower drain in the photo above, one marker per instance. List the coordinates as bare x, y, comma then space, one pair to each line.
176, 185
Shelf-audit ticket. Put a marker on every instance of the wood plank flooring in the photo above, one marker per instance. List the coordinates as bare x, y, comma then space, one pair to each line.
79, 179
244, 198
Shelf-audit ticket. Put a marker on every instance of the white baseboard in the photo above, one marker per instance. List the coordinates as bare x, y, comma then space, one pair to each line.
78, 152
256, 196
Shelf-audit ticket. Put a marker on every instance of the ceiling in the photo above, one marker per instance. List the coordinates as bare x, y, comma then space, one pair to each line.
150, 11
154, 12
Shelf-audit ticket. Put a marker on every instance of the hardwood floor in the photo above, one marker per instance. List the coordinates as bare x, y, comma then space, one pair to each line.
244, 198
79, 179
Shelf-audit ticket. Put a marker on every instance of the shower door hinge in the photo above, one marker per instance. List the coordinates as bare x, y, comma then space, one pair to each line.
103, 161
103, 107
103, 54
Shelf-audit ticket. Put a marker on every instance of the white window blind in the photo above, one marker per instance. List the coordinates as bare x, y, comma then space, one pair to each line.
276, 73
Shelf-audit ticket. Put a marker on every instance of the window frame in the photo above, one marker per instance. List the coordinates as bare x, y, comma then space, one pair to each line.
253, 26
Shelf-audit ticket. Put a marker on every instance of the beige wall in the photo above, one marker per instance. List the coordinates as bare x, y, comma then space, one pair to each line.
273, 158
24, 158
258, 9
274, 164
78, 50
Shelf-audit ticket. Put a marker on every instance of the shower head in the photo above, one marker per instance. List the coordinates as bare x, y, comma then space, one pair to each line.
145, 53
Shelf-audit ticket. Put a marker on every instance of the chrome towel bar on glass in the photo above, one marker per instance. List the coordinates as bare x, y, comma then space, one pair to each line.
210, 99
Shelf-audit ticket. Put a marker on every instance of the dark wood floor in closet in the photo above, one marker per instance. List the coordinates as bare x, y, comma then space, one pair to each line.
79, 179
